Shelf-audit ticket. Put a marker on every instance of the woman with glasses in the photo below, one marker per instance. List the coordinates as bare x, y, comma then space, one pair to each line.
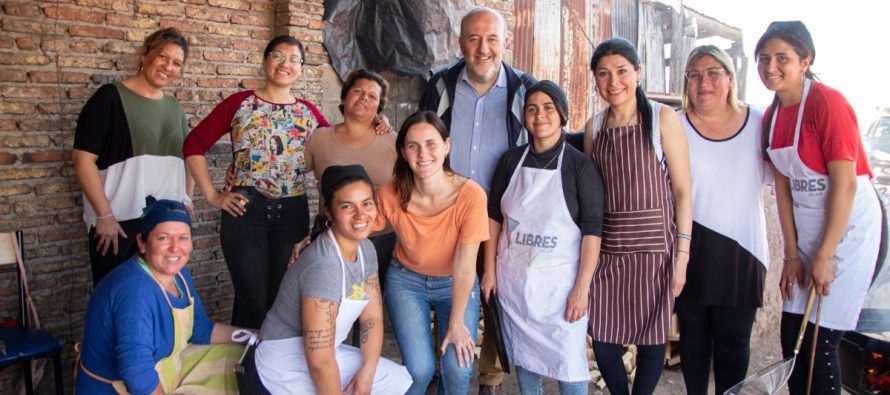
729, 253
266, 212
828, 210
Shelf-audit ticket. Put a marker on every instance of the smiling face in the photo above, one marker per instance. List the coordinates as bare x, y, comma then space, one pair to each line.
425, 150
283, 65
709, 85
352, 211
161, 68
363, 99
542, 118
167, 247
482, 42
780, 67
616, 79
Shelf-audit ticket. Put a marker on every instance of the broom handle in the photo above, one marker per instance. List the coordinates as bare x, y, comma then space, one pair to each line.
813, 346
806, 318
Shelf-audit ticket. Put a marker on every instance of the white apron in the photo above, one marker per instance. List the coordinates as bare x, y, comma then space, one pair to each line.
539, 251
282, 364
854, 259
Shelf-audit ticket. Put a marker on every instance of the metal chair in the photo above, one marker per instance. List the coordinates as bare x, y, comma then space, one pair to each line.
23, 343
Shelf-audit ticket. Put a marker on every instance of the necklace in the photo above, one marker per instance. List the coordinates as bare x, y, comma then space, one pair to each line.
538, 164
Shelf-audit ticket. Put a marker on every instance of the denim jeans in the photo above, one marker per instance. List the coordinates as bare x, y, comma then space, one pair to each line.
257, 246
408, 297
530, 384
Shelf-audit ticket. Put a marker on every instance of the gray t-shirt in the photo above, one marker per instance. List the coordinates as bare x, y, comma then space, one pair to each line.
316, 274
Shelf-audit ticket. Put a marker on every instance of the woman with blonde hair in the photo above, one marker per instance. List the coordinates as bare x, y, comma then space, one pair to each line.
729, 253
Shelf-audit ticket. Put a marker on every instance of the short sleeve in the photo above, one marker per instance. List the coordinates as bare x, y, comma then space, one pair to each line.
474, 222
840, 129
321, 279
95, 124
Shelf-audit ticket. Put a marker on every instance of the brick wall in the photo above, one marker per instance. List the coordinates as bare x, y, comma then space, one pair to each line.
55, 53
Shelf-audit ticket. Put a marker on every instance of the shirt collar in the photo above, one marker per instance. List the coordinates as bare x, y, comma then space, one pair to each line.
500, 83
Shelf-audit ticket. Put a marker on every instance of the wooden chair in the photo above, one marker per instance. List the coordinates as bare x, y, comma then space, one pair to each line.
23, 343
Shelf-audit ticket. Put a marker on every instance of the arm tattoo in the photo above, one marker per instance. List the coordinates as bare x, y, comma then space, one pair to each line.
365, 331
318, 339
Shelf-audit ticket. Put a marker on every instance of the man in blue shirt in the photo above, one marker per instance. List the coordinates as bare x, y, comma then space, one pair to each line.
481, 98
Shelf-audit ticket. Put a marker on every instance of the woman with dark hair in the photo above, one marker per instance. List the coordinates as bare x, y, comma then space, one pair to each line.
640, 150
440, 220
266, 213
730, 253
828, 210
358, 140
128, 147
333, 284
551, 198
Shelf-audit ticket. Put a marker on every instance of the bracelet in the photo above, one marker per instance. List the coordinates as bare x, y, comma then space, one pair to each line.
106, 216
794, 258
683, 252
684, 236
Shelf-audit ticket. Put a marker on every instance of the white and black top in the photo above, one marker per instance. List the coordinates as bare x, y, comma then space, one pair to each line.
729, 253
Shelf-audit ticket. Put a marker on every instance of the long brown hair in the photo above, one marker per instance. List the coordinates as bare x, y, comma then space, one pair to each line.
404, 177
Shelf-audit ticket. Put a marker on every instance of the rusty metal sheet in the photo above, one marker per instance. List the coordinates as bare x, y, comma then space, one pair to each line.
577, 49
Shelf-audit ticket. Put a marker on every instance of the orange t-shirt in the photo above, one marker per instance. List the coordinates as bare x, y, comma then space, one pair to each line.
426, 245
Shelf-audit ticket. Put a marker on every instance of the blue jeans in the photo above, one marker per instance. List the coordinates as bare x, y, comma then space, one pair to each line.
530, 384
408, 297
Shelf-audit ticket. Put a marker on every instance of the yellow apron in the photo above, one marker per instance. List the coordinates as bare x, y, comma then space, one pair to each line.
190, 369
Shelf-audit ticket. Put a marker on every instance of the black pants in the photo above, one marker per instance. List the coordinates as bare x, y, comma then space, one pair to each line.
650, 361
826, 371
257, 246
126, 248
721, 333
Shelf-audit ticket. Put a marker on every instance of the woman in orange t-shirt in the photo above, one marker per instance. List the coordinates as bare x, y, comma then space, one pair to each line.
439, 218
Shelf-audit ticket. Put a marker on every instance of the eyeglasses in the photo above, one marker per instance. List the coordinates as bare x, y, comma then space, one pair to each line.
713, 74
279, 57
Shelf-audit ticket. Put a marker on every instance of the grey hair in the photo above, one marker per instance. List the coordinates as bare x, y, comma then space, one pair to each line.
725, 61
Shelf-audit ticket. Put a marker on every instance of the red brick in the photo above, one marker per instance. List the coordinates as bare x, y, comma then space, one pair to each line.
127, 63
66, 233
7, 158
66, 218
16, 108
4, 210
316, 24
21, 9
236, 70
264, 35
84, 62
26, 43
13, 190
296, 20
68, 77
252, 83
46, 156
228, 30
159, 9
95, 31
121, 47
56, 44
197, 2
217, 83
65, 185
16, 59
207, 14
254, 46
117, 5
44, 204
40, 124
138, 36
30, 26
232, 4
131, 21
29, 221
199, 67
186, 27
56, 108
28, 92
22, 173
80, 93
13, 76
7, 125
255, 20
222, 56
256, 6
208, 96
6, 42
73, 14
24, 141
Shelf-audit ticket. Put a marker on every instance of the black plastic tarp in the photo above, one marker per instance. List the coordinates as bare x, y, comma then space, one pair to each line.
408, 37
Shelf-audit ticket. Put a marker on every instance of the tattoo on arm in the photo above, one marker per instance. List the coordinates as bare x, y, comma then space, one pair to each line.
365, 331
321, 338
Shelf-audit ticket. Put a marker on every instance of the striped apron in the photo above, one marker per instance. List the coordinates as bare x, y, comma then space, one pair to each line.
631, 292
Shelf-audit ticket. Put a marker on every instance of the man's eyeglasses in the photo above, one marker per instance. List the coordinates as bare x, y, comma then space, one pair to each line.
712, 74
279, 57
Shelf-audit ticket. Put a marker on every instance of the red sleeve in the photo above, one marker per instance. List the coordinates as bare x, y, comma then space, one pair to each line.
322, 122
840, 129
212, 128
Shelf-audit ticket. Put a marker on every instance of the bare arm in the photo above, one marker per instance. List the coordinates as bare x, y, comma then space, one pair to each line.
319, 329
222, 333
579, 297
371, 324
489, 283
232, 202
676, 152
87, 173
842, 192
463, 276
